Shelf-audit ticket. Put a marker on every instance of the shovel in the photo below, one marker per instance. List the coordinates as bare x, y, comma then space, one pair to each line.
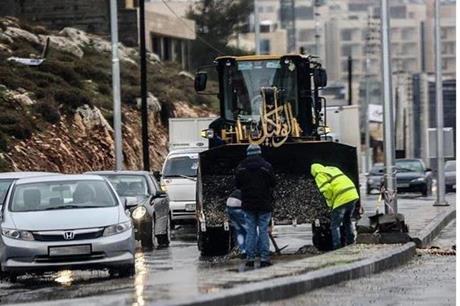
277, 249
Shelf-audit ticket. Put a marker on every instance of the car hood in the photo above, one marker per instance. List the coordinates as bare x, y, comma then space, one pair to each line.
450, 173
409, 175
180, 189
65, 218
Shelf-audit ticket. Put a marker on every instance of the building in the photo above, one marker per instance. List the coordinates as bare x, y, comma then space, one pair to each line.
168, 34
89, 15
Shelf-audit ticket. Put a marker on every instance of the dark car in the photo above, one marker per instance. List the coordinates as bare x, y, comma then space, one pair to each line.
413, 176
374, 177
450, 175
147, 203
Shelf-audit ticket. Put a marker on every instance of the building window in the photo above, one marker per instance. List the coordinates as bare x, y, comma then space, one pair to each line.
264, 28
304, 13
269, 9
306, 35
265, 46
346, 50
346, 35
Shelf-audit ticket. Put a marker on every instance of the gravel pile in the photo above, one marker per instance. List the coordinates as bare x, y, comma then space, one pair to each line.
296, 199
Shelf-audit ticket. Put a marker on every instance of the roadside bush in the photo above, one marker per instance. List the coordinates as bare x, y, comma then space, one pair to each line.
104, 89
129, 94
3, 142
72, 99
48, 111
89, 72
62, 69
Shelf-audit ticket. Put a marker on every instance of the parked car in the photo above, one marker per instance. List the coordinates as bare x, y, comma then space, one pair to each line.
147, 203
374, 177
450, 175
65, 222
178, 178
413, 176
7, 178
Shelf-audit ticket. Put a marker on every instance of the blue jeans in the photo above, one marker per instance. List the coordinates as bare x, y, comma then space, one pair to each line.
257, 240
342, 216
238, 222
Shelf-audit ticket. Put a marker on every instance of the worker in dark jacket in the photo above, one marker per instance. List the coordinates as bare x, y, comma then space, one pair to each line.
255, 179
341, 196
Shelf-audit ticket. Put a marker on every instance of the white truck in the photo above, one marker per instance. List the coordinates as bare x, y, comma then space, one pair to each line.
178, 177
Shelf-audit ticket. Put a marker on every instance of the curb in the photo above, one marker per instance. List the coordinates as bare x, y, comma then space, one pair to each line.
423, 238
289, 286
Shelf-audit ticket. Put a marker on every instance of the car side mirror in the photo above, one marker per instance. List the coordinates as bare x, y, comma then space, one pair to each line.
125, 203
320, 77
201, 79
160, 194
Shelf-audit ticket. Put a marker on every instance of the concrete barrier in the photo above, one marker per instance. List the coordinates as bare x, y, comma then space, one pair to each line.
423, 238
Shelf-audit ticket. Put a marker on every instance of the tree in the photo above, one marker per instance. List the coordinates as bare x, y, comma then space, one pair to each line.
216, 22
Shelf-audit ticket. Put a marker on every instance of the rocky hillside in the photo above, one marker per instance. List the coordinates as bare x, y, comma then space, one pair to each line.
57, 116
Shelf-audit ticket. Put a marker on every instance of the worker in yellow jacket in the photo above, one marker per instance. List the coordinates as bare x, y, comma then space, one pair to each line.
341, 196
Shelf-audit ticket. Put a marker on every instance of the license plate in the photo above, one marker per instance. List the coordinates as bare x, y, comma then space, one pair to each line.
70, 250
403, 185
190, 207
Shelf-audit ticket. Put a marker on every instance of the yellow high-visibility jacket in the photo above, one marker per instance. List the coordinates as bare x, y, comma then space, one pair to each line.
337, 188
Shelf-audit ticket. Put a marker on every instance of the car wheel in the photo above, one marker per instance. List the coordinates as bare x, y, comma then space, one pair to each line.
164, 239
147, 239
127, 271
13, 277
449, 188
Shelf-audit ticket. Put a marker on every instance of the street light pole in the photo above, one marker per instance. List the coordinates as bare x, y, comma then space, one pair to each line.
388, 122
144, 107
440, 194
116, 86
367, 141
256, 27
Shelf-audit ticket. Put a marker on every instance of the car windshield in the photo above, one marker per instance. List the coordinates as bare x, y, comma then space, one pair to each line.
409, 166
62, 195
450, 165
129, 185
243, 82
183, 166
4, 186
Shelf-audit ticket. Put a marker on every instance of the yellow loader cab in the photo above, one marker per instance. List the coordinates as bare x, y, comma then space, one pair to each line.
273, 101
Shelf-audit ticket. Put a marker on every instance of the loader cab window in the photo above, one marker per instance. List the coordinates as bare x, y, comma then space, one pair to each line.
244, 80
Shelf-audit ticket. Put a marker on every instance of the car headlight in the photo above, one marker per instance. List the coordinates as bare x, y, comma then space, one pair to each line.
139, 213
420, 179
117, 228
163, 187
17, 234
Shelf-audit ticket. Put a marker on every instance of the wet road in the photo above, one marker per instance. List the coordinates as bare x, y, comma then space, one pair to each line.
177, 271
427, 280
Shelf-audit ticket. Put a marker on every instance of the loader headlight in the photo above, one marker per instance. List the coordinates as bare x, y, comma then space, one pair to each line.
139, 213
419, 180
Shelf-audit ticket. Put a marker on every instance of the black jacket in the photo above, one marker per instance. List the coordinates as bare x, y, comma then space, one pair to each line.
255, 179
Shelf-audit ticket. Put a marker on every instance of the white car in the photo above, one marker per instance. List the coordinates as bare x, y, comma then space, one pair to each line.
178, 179
65, 222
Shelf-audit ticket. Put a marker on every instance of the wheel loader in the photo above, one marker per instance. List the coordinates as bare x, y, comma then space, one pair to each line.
273, 101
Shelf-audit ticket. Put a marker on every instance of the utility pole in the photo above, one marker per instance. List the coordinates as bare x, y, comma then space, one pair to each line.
350, 80
367, 141
388, 122
144, 107
316, 15
257, 27
440, 194
116, 86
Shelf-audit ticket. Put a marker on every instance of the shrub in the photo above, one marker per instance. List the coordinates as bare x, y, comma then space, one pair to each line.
3, 142
48, 111
72, 98
104, 89
129, 94
62, 69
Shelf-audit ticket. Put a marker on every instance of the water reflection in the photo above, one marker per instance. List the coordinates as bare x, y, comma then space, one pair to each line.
140, 278
65, 278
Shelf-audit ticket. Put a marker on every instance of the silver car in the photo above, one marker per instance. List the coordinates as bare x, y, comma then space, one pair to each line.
148, 205
450, 175
7, 178
67, 221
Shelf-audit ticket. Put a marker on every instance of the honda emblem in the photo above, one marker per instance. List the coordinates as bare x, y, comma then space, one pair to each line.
69, 235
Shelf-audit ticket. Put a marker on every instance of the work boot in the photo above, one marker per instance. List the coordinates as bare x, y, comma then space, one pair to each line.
264, 264
249, 264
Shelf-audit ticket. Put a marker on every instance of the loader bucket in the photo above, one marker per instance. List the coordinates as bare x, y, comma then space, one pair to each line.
296, 197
